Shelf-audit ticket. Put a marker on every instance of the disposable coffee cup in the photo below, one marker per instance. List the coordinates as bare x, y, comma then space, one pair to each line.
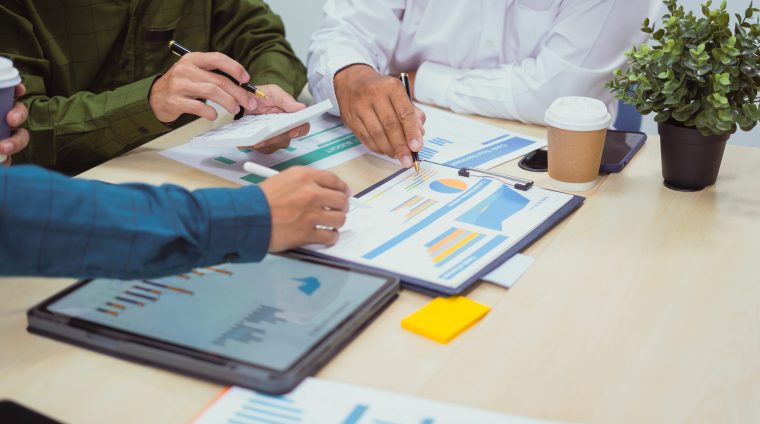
577, 127
9, 79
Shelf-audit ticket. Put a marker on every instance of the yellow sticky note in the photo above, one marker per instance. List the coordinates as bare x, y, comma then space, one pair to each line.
445, 318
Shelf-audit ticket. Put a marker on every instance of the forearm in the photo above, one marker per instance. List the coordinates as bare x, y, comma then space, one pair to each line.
54, 226
350, 35
521, 91
88, 127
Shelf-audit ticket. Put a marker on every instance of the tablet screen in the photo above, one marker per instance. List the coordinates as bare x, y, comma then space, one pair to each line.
268, 314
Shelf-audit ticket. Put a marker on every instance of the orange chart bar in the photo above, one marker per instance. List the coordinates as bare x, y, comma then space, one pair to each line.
219, 270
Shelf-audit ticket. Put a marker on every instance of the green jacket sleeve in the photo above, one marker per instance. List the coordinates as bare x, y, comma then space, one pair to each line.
250, 32
72, 133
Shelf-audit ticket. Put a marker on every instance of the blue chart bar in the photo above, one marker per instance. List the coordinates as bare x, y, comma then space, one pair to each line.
460, 250
416, 228
490, 153
441, 237
494, 140
356, 414
427, 153
268, 410
485, 249
427, 421
439, 142
141, 296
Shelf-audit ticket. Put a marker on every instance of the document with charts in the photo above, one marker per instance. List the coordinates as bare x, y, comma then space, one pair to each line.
323, 401
440, 232
449, 138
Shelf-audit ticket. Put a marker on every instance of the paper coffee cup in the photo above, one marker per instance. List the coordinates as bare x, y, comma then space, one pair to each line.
577, 127
9, 79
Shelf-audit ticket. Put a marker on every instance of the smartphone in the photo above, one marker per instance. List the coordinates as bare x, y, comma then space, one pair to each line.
619, 149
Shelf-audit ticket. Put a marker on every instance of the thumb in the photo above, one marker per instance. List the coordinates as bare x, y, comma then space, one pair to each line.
285, 101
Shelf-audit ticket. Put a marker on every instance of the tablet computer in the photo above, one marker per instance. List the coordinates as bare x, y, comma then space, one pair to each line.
265, 326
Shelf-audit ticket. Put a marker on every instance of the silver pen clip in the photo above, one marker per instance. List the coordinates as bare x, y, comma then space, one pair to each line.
514, 182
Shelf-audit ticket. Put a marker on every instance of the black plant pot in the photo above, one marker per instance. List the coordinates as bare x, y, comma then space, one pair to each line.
690, 160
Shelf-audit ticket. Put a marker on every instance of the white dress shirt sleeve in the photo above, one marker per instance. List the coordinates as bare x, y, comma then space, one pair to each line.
577, 57
348, 36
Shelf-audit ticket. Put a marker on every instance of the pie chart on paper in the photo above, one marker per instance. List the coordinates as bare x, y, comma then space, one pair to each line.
448, 186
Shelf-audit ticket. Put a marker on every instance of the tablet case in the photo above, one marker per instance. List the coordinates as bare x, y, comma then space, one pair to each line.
433, 289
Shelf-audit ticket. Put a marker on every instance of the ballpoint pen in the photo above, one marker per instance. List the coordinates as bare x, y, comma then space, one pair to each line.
265, 172
405, 80
181, 50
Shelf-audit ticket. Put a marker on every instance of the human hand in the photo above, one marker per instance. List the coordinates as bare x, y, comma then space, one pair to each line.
278, 101
378, 110
19, 138
302, 203
191, 78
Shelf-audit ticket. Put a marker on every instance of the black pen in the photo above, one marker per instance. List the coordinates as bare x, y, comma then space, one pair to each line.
405, 80
181, 50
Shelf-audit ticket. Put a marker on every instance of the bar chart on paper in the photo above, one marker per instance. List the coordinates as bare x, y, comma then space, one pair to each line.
440, 228
322, 401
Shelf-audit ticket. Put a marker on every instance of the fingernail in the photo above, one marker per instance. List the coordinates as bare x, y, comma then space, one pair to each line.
406, 161
246, 77
7, 147
252, 104
416, 145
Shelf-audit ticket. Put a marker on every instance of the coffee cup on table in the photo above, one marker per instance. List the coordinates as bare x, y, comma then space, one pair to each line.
577, 127
9, 79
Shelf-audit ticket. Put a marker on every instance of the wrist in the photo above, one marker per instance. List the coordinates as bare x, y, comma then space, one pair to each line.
351, 73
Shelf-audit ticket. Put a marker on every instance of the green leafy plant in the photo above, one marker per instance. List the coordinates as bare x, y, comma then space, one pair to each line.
696, 71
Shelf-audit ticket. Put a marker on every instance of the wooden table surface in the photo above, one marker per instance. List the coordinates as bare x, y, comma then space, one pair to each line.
644, 306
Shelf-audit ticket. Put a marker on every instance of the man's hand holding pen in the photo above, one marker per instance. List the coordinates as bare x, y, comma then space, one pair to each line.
217, 77
377, 109
191, 78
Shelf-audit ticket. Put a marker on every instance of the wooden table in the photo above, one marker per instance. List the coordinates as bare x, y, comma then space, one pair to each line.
644, 306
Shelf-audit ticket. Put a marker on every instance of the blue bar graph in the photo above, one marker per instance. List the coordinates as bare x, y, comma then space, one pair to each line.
356, 414
427, 153
439, 141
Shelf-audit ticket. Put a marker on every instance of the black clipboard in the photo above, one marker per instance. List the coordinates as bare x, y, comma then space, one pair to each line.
433, 289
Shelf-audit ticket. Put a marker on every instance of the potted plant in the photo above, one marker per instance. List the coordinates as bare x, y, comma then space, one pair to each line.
701, 78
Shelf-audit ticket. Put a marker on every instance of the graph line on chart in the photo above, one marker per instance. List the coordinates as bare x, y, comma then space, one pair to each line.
415, 205
413, 179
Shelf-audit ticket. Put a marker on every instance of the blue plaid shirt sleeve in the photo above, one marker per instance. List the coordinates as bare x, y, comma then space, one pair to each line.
51, 225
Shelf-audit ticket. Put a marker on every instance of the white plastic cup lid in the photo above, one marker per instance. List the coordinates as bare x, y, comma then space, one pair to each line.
578, 114
9, 76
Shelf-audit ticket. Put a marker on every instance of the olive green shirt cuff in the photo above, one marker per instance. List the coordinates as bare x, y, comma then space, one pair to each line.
135, 116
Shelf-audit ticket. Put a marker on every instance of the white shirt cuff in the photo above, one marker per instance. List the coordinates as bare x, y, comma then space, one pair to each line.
434, 83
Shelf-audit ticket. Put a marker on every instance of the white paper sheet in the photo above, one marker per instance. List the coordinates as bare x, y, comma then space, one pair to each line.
510, 271
322, 401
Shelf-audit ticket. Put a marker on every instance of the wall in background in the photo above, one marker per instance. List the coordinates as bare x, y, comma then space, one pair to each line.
303, 17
